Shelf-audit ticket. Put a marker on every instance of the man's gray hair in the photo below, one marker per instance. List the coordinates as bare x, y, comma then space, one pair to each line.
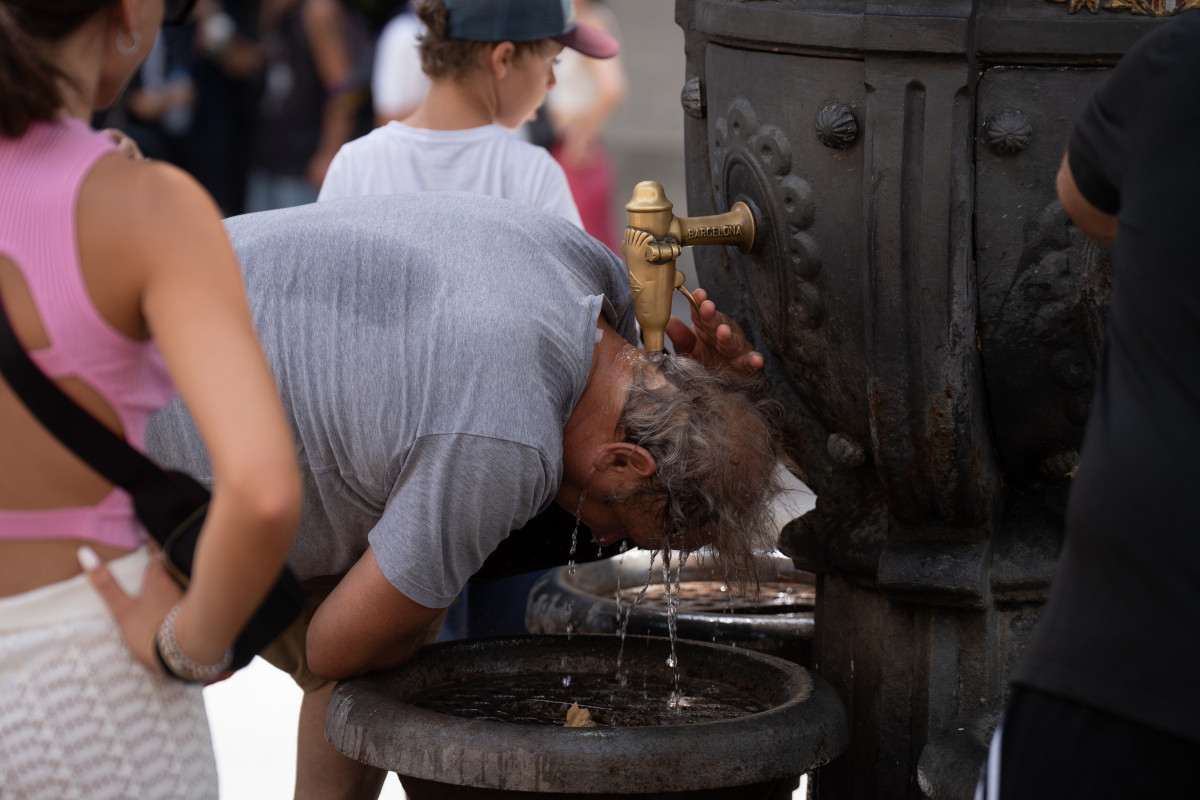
715, 438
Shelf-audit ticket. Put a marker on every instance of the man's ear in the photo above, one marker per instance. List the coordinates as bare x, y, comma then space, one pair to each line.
623, 456
500, 59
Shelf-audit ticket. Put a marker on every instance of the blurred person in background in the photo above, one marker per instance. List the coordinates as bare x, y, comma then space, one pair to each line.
490, 65
119, 280
226, 60
161, 98
311, 93
398, 84
589, 91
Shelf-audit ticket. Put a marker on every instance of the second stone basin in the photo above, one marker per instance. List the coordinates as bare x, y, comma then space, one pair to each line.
774, 618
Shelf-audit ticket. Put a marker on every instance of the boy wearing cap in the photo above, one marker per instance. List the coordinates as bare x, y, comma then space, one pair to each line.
490, 63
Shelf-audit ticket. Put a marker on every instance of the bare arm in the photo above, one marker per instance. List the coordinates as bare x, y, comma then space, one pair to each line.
580, 131
1095, 223
367, 624
328, 34
611, 87
164, 238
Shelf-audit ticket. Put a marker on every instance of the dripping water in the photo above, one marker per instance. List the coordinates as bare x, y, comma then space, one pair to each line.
571, 557
575, 530
623, 622
672, 583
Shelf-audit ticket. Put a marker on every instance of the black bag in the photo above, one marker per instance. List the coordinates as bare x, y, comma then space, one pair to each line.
171, 505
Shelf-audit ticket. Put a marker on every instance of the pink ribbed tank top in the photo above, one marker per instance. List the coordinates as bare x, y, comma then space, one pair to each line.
40, 176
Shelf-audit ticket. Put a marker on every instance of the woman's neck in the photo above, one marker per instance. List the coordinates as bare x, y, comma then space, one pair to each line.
79, 56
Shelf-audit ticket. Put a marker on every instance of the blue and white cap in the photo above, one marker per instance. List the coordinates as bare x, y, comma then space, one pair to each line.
526, 21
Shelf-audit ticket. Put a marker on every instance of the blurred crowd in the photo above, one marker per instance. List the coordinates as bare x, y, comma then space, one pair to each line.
255, 97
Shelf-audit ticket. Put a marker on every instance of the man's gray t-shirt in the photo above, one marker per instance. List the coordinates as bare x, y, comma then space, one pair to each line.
429, 349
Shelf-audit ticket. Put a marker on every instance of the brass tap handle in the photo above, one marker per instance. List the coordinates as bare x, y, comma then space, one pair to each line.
662, 252
655, 237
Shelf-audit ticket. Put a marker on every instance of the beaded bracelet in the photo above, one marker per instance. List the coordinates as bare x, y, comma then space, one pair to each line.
176, 663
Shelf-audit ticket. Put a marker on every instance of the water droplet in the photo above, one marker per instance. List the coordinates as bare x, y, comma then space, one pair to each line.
566, 680
670, 661
575, 531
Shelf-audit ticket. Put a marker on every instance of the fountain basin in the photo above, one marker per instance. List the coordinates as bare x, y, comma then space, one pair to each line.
376, 719
777, 619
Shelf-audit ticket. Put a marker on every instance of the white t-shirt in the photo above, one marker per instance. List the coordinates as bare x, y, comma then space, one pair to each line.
397, 159
397, 81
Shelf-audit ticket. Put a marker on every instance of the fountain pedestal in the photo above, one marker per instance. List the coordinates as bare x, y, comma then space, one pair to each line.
929, 319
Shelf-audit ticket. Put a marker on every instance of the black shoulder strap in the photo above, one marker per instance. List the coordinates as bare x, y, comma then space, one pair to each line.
98, 447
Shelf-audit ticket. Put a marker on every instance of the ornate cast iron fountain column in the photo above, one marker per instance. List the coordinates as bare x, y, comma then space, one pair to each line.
929, 318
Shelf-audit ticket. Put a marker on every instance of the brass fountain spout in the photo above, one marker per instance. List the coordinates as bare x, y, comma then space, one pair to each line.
655, 237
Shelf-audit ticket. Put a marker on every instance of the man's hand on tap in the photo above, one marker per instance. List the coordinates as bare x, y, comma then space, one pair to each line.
713, 339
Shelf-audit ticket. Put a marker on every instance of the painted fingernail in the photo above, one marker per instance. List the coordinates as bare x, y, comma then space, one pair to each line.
87, 558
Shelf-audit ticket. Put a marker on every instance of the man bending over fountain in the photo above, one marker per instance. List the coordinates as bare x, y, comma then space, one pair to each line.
451, 364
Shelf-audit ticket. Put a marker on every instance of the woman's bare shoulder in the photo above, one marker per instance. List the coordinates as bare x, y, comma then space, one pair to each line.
138, 208
141, 189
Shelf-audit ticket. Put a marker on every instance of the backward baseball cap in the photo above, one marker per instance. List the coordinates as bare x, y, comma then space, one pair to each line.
526, 21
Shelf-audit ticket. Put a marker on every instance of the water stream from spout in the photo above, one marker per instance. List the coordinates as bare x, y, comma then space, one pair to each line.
575, 530
623, 622
571, 559
672, 583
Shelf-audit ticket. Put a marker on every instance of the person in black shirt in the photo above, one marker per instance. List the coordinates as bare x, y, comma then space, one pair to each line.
1106, 702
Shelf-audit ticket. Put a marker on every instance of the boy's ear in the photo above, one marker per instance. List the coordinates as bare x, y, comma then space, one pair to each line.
500, 58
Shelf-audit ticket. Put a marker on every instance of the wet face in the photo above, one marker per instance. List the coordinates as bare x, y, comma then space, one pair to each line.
611, 522
524, 86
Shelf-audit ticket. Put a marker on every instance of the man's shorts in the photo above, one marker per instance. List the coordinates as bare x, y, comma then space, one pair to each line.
287, 652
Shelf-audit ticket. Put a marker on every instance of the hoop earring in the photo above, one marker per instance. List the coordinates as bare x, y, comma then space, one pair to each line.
131, 48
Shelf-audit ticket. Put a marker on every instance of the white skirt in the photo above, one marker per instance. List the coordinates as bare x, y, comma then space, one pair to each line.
79, 717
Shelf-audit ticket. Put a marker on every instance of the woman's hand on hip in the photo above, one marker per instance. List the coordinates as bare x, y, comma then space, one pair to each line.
138, 617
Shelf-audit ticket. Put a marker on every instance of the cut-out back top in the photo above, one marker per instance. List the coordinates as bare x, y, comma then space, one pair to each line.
41, 173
